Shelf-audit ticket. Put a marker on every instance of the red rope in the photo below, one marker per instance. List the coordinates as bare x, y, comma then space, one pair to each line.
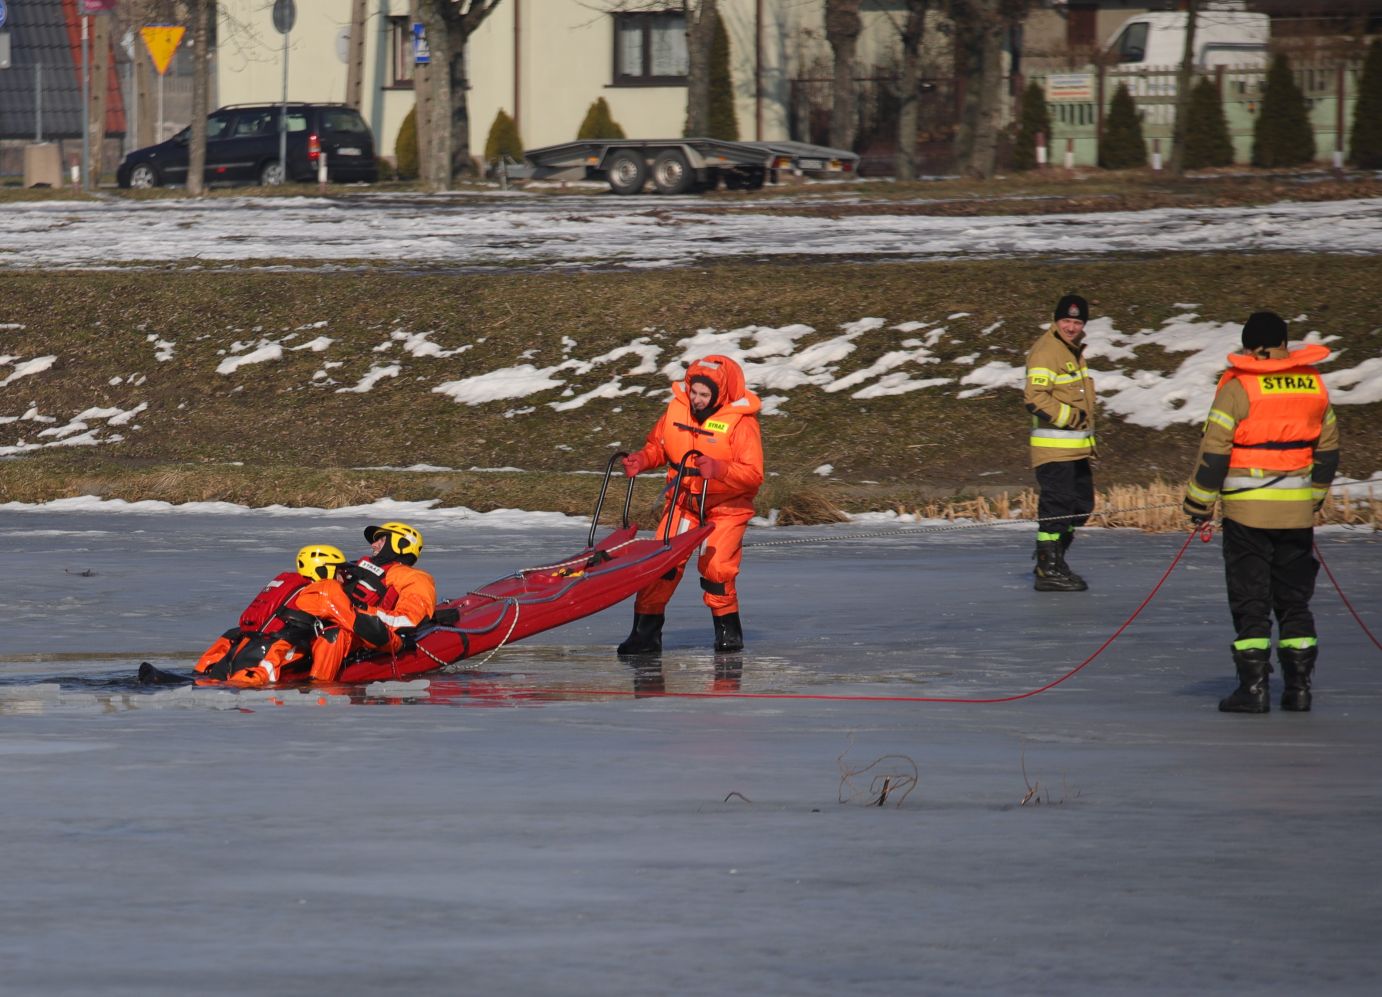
1204, 533
1335, 582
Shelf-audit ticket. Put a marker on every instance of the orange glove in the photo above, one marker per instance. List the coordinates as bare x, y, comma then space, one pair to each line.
633, 464
712, 468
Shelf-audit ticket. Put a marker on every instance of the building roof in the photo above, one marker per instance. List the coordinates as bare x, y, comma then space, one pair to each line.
47, 33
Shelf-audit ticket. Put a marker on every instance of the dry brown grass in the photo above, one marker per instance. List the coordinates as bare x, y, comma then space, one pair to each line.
1154, 508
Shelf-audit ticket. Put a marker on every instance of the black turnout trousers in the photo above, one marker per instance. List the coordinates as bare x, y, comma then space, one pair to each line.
1270, 572
1067, 494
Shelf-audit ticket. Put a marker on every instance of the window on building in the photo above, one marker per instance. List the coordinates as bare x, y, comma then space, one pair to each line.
401, 46
650, 48
1082, 25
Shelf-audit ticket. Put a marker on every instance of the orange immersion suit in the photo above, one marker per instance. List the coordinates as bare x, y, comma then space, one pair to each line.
730, 436
315, 622
409, 599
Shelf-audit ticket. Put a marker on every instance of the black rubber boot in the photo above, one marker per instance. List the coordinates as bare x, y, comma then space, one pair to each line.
1297, 665
1251, 696
729, 634
1052, 575
646, 636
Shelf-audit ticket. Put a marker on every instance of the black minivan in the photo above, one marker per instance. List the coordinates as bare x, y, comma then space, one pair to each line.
242, 147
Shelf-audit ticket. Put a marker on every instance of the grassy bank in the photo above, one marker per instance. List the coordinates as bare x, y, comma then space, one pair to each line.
294, 431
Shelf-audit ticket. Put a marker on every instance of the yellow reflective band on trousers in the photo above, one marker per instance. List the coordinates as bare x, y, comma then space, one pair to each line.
1253, 644
1298, 643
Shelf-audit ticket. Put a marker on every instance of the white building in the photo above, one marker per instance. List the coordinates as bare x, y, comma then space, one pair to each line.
542, 61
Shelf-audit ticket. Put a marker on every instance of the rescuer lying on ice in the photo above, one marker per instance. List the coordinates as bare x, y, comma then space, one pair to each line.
298, 617
711, 411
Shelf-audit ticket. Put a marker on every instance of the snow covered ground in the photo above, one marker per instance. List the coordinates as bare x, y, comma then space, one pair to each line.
412, 231
537, 828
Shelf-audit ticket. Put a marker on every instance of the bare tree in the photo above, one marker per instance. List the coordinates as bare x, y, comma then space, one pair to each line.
1183, 78
912, 32
842, 27
443, 113
201, 78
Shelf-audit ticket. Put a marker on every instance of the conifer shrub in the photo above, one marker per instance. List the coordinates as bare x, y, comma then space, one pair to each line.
405, 148
503, 139
1122, 147
723, 123
599, 123
1365, 145
1282, 135
1036, 119
1206, 129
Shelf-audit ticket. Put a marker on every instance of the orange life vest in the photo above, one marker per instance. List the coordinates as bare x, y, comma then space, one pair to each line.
682, 434
1287, 402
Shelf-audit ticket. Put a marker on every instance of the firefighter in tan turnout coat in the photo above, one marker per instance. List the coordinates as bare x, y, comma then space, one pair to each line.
1059, 395
1269, 453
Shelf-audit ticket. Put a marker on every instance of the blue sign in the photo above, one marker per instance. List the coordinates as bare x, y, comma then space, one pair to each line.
3, 13
421, 53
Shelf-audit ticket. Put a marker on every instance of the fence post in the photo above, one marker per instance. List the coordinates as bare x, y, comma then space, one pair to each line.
1070, 154
1156, 155
1040, 149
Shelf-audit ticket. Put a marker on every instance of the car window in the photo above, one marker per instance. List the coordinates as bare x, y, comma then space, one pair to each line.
343, 119
297, 121
251, 123
1132, 44
217, 124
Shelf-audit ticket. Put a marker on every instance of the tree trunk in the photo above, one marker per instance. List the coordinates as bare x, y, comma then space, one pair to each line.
100, 78
913, 32
443, 117
1183, 78
842, 27
979, 32
434, 103
700, 35
201, 79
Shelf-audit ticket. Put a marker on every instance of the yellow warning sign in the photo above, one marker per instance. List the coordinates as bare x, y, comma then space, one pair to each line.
162, 41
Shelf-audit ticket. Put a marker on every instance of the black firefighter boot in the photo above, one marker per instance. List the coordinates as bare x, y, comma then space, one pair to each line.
1052, 575
1297, 664
1251, 696
646, 636
729, 633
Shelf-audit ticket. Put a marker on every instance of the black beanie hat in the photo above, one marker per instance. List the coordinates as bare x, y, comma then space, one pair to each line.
1072, 306
1264, 329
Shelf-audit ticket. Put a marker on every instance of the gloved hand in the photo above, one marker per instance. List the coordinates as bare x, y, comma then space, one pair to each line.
1198, 512
709, 467
1078, 419
634, 464
407, 638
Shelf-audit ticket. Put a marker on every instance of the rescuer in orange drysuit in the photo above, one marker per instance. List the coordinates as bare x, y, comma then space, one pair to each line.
296, 617
396, 597
712, 412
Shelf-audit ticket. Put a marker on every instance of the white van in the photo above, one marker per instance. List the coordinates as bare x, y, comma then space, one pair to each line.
1225, 35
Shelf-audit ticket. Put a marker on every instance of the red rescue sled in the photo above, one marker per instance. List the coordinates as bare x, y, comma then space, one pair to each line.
519, 605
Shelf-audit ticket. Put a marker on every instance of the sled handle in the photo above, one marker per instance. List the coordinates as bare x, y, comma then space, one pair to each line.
676, 494
600, 502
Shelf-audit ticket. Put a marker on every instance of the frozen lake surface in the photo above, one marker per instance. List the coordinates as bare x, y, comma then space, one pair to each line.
536, 828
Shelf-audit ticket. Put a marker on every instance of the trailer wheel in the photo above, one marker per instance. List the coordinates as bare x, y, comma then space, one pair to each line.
672, 174
627, 172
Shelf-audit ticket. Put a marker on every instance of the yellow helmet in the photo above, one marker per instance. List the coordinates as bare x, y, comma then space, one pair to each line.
318, 561
399, 537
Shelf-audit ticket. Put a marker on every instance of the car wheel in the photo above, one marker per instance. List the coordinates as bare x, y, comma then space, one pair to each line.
143, 176
271, 174
627, 172
672, 174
